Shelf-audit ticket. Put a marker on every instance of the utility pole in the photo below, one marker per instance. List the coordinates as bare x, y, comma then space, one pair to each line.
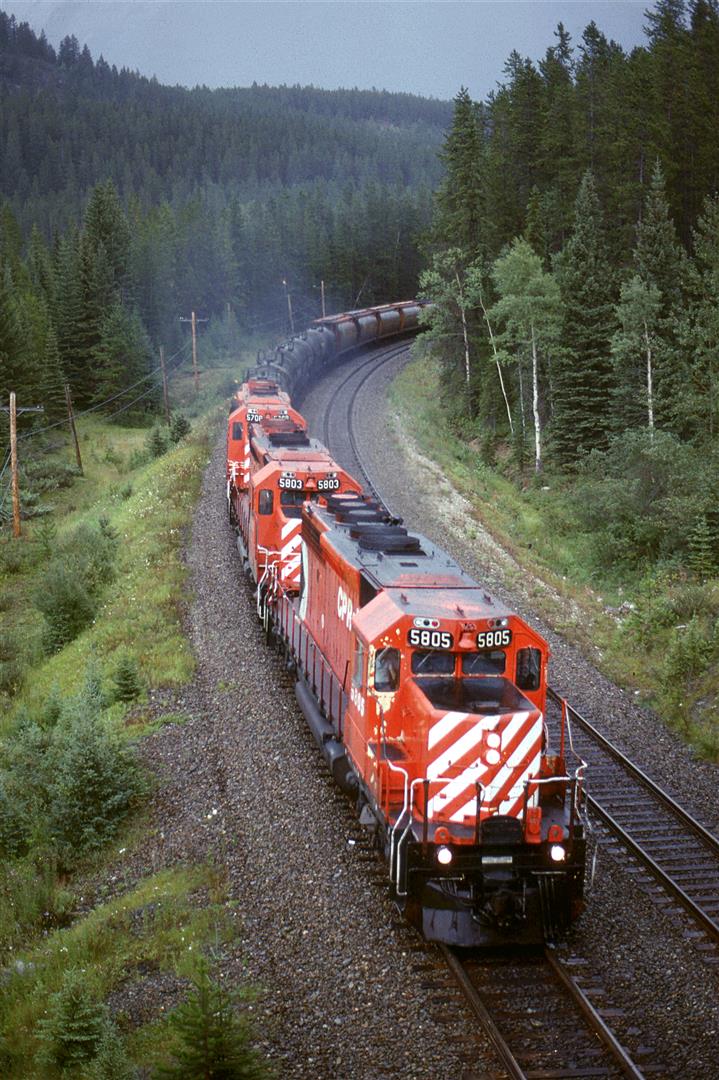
15, 483
73, 429
322, 294
13, 468
194, 320
289, 306
165, 394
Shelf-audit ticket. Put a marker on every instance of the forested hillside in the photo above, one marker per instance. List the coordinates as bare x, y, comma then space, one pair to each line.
126, 204
576, 272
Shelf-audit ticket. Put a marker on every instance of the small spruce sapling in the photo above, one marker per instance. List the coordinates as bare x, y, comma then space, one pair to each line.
128, 685
210, 1038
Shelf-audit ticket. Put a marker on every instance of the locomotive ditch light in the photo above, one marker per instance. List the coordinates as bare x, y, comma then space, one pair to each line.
557, 853
444, 856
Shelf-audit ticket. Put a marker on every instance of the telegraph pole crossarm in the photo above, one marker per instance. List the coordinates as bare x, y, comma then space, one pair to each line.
194, 320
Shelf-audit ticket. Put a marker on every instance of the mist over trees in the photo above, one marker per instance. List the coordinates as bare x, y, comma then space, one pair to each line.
125, 205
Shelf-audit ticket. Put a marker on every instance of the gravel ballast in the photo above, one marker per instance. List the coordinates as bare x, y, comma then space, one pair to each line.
344, 990
644, 955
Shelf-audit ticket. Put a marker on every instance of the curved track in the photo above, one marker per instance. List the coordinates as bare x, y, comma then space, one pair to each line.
682, 856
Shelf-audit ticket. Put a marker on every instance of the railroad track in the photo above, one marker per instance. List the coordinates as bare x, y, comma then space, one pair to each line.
681, 855
541, 1018
338, 432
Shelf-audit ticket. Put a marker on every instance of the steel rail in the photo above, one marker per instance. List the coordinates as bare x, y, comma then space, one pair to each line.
482, 1013
598, 1025
695, 826
591, 1016
677, 811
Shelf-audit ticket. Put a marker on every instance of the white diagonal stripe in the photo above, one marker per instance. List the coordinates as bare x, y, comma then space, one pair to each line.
288, 549
455, 787
471, 740
443, 727
290, 526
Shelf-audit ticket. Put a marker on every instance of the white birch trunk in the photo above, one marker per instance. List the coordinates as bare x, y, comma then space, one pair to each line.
535, 406
496, 360
465, 335
650, 388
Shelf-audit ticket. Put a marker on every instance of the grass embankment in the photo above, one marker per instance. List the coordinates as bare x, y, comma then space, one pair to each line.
653, 629
121, 529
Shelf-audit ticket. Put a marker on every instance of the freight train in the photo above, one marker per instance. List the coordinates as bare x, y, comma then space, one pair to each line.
426, 696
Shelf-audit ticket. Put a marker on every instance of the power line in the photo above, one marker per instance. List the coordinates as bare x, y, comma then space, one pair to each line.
107, 401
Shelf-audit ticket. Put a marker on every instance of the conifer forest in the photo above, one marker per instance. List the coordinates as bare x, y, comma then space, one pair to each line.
566, 381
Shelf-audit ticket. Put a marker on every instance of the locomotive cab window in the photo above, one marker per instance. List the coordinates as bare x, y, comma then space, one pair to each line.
266, 501
529, 669
358, 668
386, 670
432, 663
236, 429
491, 662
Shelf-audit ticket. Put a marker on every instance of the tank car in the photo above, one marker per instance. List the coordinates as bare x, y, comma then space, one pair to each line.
427, 698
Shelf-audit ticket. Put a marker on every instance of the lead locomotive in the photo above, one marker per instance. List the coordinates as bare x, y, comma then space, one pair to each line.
428, 700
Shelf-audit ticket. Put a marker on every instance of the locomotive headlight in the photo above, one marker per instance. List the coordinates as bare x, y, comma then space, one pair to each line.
492, 757
444, 856
494, 739
557, 853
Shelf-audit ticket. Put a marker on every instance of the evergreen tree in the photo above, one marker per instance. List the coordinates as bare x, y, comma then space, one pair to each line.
75, 1023
123, 356
634, 352
583, 381
459, 199
210, 1038
698, 332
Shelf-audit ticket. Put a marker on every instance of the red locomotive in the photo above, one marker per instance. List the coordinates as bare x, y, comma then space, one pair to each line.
426, 697
285, 469
258, 401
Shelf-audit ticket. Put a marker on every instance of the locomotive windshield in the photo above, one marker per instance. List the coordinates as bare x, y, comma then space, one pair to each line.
490, 696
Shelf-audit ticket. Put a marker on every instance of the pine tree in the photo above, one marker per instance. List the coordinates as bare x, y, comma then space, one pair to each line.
211, 1041
123, 356
128, 686
460, 214
583, 382
75, 1023
634, 353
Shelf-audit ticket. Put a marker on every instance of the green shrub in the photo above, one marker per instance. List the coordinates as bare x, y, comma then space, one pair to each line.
29, 899
128, 685
67, 594
180, 426
138, 458
63, 598
14, 828
12, 667
92, 783
111, 1061
46, 536
156, 442
72, 1032
12, 557
210, 1039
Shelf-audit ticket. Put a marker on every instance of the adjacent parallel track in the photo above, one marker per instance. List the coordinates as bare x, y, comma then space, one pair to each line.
675, 848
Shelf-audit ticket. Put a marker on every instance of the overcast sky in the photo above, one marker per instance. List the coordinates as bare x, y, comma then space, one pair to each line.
429, 48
